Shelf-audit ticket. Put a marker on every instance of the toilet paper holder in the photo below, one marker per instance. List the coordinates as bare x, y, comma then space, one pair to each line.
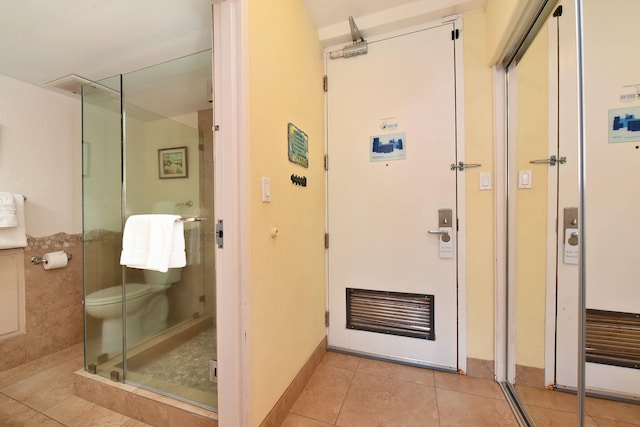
40, 260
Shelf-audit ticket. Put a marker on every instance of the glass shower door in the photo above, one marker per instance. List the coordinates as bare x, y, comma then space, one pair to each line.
149, 150
167, 143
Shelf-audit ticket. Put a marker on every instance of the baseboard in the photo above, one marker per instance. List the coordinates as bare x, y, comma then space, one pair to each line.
283, 406
530, 377
479, 368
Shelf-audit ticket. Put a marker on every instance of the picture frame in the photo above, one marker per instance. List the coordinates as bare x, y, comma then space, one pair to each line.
172, 163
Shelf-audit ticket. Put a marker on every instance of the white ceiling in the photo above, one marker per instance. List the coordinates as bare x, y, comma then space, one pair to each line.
45, 40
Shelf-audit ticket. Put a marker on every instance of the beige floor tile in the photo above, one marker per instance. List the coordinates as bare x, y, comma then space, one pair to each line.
386, 402
611, 423
462, 409
294, 420
611, 410
546, 417
558, 400
323, 395
339, 360
27, 370
464, 384
396, 371
45, 389
78, 412
38, 420
13, 412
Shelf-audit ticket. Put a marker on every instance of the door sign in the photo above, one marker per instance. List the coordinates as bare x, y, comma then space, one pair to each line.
387, 147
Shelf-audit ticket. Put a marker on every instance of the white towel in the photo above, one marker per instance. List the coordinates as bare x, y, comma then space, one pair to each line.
153, 242
15, 237
8, 217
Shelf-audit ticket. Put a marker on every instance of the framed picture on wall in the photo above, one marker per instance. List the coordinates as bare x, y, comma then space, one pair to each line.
172, 163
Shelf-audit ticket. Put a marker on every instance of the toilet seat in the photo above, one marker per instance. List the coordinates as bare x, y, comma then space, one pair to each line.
114, 294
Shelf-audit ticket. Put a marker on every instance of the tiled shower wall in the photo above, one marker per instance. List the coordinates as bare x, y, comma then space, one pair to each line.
53, 300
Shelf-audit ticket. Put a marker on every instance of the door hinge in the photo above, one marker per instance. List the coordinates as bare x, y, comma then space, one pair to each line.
326, 240
325, 83
220, 234
326, 162
455, 34
326, 318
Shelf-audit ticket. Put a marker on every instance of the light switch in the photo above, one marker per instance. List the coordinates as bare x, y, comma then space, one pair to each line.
485, 181
266, 189
525, 179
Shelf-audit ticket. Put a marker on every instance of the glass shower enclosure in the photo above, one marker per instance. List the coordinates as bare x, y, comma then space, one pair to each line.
148, 149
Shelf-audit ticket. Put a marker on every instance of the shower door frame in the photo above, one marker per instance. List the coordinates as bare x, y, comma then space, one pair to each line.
229, 29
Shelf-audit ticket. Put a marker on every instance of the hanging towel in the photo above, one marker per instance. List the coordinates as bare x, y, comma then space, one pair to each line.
153, 242
15, 237
8, 216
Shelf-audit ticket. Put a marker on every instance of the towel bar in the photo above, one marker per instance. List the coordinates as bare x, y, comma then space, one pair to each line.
191, 219
188, 204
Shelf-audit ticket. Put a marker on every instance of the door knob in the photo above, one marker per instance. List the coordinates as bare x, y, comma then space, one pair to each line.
573, 239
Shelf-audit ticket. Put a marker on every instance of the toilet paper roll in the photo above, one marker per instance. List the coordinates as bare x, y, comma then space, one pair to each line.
53, 260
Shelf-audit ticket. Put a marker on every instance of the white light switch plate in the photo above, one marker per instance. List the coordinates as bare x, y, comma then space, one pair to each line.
266, 189
485, 181
524, 180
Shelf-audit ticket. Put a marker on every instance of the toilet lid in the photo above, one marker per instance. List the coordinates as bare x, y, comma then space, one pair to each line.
114, 294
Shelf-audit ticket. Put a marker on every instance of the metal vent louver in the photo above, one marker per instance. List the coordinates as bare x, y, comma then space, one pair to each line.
394, 313
613, 338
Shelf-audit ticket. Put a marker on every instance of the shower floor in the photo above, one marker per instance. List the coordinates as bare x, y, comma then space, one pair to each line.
186, 365
174, 363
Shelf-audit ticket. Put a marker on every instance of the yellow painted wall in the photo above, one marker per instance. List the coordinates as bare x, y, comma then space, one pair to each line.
288, 286
478, 110
531, 204
502, 17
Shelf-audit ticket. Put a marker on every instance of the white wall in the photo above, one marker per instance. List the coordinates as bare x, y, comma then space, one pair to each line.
40, 155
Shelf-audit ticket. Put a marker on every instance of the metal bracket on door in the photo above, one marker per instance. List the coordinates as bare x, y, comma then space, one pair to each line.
462, 165
551, 161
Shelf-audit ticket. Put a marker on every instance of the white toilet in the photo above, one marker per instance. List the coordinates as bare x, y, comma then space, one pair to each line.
147, 309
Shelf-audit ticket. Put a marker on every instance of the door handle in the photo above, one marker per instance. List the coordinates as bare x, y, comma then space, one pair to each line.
551, 161
445, 234
462, 165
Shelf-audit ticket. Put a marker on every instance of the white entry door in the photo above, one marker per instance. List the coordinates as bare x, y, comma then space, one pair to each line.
391, 143
612, 205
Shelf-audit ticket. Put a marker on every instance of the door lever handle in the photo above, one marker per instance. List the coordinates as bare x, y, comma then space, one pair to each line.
445, 234
551, 161
462, 165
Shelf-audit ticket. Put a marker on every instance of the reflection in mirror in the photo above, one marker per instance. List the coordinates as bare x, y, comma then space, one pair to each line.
546, 227
611, 205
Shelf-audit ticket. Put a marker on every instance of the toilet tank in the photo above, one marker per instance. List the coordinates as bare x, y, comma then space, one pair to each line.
153, 277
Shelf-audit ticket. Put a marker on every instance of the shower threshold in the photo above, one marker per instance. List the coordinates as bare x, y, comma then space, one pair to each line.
174, 364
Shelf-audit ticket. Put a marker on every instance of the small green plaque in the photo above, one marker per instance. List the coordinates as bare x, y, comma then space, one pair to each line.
298, 146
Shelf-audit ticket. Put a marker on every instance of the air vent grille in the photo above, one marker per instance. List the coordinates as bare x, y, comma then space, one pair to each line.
394, 313
613, 338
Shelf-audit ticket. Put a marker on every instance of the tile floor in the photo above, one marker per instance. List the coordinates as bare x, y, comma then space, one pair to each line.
40, 393
349, 391
344, 391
